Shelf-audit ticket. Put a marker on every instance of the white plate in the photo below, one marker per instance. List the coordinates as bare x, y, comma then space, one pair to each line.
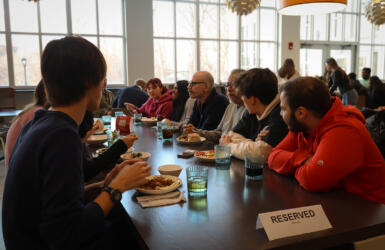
127, 156
97, 139
177, 182
149, 120
101, 131
182, 142
203, 158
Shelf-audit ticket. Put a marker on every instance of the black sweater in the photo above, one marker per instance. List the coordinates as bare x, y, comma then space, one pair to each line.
341, 80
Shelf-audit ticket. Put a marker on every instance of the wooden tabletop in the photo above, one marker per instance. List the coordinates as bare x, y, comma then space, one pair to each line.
226, 218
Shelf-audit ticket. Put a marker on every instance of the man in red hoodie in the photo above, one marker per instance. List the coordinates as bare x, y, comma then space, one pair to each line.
328, 145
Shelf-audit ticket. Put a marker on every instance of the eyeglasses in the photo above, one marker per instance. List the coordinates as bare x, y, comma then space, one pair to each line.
194, 83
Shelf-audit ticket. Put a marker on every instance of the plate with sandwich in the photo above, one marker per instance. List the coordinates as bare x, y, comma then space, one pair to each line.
190, 139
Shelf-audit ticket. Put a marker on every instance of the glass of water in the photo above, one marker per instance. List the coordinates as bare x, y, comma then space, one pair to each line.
197, 178
222, 154
254, 166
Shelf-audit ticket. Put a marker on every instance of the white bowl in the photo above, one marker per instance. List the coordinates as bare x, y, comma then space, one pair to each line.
170, 169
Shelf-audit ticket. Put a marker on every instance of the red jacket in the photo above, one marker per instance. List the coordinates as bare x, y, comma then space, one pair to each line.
344, 155
162, 106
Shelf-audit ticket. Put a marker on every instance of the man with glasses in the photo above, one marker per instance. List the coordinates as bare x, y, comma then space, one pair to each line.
209, 106
233, 113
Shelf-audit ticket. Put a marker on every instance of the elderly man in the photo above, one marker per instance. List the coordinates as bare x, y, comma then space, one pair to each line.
261, 127
209, 106
328, 145
233, 112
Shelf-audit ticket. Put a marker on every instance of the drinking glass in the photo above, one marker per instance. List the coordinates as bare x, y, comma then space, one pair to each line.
254, 166
167, 133
106, 119
222, 154
137, 119
119, 113
197, 178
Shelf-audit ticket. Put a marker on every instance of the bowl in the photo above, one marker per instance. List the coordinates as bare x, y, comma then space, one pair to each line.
170, 169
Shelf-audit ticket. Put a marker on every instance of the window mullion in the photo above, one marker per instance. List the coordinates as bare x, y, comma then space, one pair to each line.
69, 17
39, 29
97, 23
8, 42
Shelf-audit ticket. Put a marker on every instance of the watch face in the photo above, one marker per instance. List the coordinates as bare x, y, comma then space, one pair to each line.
116, 195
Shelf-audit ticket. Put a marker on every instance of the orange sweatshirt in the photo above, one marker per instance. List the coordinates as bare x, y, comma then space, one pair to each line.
343, 155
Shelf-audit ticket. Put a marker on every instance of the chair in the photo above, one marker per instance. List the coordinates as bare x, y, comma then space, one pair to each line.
7, 99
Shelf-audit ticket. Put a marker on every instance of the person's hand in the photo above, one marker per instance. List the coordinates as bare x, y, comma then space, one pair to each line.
225, 139
130, 175
114, 172
263, 133
129, 140
90, 132
189, 128
130, 107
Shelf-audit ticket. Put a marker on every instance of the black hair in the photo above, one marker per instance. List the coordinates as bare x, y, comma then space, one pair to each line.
70, 66
180, 101
352, 76
367, 70
287, 69
308, 92
260, 83
87, 124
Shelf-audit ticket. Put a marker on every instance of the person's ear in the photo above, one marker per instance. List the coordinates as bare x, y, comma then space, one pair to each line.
301, 113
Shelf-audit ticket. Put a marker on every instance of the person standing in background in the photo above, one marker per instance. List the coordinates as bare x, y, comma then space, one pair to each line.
287, 71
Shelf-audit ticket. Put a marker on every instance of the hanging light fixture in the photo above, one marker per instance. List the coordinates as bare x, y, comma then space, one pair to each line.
243, 7
310, 7
375, 12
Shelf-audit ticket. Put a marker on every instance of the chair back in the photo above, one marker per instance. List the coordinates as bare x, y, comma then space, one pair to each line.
7, 99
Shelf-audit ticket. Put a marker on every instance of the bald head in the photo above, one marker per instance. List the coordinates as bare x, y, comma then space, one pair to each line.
204, 76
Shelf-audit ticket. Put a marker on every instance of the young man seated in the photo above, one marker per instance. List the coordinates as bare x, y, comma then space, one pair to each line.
328, 145
43, 203
261, 127
232, 115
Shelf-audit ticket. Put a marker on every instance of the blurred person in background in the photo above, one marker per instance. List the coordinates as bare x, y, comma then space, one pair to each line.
287, 71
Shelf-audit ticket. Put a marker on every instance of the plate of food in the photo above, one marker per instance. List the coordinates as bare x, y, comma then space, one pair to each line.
147, 120
135, 156
205, 156
160, 184
97, 139
100, 129
190, 139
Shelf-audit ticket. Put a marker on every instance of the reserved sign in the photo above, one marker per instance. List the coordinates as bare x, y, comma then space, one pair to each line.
295, 221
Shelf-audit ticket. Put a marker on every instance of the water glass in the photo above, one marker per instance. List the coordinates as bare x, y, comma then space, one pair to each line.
167, 133
197, 178
119, 113
222, 154
106, 119
137, 119
112, 136
254, 166
159, 126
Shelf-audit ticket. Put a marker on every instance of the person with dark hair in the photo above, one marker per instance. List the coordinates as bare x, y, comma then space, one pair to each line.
182, 105
340, 80
287, 71
233, 112
261, 127
159, 103
209, 105
376, 96
43, 202
365, 74
133, 94
328, 145
40, 101
361, 90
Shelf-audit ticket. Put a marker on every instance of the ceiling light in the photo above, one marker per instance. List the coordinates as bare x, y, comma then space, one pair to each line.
310, 7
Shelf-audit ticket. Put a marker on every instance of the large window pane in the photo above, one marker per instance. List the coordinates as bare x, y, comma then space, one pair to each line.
364, 58
249, 55
365, 30
350, 27
320, 22
267, 57
249, 29
92, 39
268, 24
379, 34
209, 57
378, 61
112, 49
164, 60
310, 62
163, 18
83, 16
343, 58
3, 62
23, 16
186, 59
185, 20
2, 26
228, 59
268, 3
336, 26
229, 24
26, 49
208, 21
110, 17
305, 27
53, 16
352, 6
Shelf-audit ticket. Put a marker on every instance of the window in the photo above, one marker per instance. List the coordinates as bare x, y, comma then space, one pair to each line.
192, 35
32, 25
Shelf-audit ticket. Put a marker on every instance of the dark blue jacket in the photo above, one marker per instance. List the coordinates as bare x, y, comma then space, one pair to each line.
43, 203
208, 115
132, 95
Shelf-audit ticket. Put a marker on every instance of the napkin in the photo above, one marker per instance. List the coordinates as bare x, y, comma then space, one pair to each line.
161, 199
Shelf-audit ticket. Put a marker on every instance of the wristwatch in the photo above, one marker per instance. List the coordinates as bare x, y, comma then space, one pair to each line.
115, 194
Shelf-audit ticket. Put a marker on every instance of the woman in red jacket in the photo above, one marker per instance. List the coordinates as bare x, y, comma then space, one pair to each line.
159, 103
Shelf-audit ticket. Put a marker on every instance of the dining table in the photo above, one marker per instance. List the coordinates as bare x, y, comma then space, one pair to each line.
226, 217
